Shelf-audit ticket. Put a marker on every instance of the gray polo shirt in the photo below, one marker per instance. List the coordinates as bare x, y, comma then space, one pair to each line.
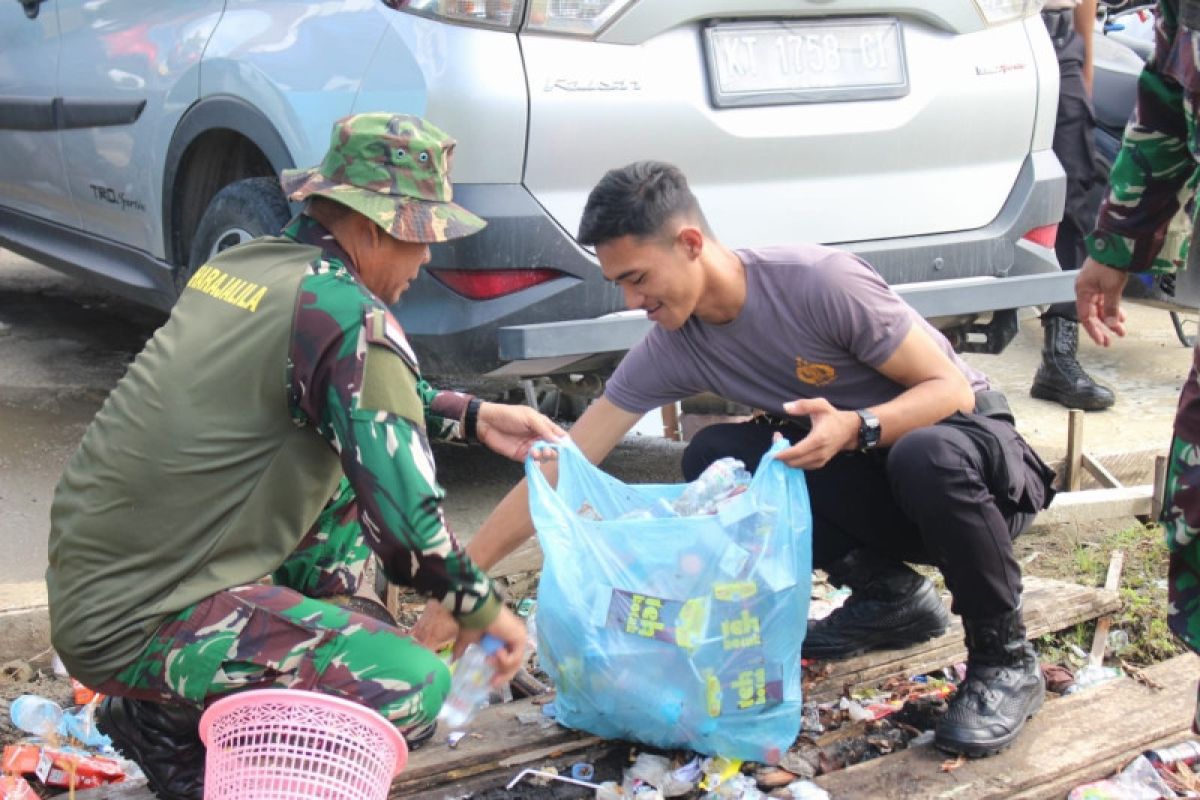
818, 322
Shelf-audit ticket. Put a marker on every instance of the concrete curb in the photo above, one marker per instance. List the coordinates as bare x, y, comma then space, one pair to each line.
24, 620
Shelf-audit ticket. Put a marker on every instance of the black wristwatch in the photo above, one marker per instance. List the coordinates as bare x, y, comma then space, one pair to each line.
868, 430
471, 420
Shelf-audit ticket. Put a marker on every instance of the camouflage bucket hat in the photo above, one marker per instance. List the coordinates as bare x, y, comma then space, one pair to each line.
393, 169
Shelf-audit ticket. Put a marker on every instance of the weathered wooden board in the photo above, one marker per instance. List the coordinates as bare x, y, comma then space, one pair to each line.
499, 742
1049, 606
1072, 740
505, 745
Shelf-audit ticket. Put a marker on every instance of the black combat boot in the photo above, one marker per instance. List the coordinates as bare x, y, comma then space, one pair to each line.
1060, 378
162, 739
890, 606
1004, 687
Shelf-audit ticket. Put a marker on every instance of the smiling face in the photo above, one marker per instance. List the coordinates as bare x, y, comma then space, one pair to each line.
660, 275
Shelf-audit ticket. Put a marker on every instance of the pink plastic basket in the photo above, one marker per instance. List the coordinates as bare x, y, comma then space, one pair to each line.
288, 744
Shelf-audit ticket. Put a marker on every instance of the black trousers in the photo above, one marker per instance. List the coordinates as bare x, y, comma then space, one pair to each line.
934, 497
1074, 144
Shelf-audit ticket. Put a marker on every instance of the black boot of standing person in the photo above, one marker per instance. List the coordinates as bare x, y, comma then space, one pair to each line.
890, 606
1003, 688
1060, 378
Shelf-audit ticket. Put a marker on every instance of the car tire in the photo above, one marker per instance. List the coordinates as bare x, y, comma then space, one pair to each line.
243, 210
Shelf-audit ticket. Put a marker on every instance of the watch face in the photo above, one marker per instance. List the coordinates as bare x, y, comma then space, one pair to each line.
868, 430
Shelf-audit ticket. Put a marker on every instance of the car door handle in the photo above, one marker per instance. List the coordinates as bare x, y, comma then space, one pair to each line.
31, 7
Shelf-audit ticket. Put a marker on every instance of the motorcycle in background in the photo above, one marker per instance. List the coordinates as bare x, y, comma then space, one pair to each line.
1123, 40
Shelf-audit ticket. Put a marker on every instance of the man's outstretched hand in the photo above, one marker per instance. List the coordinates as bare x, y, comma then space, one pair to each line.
1098, 300
511, 430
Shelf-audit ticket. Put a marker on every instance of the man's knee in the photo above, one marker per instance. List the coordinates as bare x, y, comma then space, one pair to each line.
392, 674
433, 677
920, 456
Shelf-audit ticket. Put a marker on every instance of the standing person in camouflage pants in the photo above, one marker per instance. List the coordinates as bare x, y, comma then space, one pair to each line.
277, 425
1153, 170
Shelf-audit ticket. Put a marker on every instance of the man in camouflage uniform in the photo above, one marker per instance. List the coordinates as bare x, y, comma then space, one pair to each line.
277, 425
1154, 169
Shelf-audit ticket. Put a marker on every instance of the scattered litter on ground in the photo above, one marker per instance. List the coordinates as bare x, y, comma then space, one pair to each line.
1159, 773
951, 764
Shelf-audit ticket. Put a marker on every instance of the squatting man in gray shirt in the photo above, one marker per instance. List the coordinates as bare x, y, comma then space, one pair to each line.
909, 454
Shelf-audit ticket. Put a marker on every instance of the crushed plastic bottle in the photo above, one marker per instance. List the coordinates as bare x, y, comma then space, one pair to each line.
722, 479
471, 684
36, 715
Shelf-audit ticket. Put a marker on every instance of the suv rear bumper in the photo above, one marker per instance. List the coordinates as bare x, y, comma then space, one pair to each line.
948, 278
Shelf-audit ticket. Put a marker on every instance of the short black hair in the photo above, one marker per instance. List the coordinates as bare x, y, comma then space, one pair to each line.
637, 200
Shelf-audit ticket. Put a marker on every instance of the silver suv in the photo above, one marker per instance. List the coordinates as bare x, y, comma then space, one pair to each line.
137, 139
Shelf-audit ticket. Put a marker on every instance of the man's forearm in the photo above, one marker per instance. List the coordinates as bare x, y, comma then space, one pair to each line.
505, 529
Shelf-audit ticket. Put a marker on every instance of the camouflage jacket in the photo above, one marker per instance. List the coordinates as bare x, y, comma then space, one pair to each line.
347, 382
1155, 168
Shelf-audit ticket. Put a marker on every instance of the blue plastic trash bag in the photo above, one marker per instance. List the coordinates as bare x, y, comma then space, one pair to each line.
677, 632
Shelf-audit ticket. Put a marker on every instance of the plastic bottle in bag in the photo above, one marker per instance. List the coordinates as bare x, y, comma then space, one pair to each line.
471, 684
36, 715
722, 478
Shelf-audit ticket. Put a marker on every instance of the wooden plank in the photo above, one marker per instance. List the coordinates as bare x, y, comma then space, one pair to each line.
502, 742
468, 785
1089, 505
1111, 581
129, 790
1130, 467
1099, 471
1160, 488
1081, 735
1064, 782
1074, 465
1049, 606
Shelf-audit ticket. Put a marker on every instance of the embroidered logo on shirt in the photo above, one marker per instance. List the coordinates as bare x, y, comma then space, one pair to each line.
813, 373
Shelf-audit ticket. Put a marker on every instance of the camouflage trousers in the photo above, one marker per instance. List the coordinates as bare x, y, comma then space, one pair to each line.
1181, 522
283, 635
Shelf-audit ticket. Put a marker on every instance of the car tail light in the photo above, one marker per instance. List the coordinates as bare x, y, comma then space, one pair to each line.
502, 14
573, 17
1045, 235
569, 17
997, 11
488, 284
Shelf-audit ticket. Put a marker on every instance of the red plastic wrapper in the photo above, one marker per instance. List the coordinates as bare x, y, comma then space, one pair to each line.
54, 767
14, 787
84, 695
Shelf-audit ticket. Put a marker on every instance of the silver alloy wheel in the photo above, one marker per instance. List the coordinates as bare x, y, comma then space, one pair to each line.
230, 238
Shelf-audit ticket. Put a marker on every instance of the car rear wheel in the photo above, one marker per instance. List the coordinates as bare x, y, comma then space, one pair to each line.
243, 210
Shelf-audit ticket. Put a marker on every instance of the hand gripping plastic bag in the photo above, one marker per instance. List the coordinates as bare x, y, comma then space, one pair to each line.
674, 631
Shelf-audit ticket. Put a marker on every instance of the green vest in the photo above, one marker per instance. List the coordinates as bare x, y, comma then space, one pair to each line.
193, 477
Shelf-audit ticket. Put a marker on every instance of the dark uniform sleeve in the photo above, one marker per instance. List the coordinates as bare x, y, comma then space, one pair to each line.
443, 413
354, 379
1154, 169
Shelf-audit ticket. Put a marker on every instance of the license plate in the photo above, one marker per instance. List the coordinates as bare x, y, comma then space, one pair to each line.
755, 63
